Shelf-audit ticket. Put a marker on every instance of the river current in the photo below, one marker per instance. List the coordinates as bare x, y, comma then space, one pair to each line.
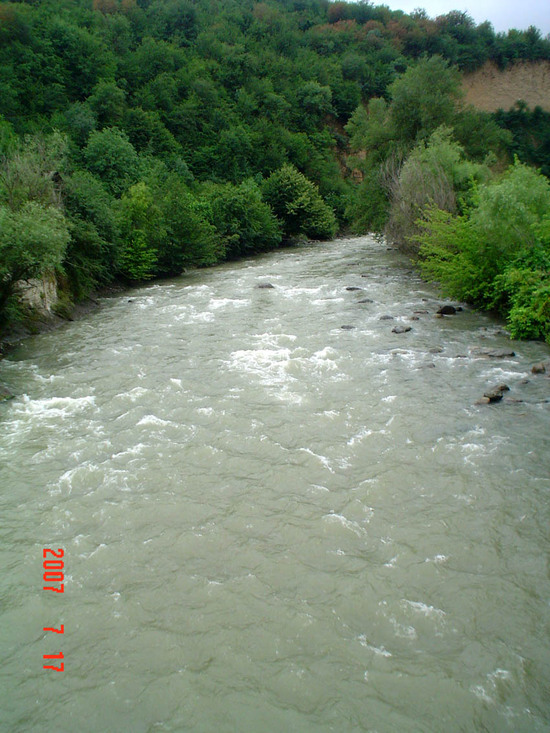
271, 523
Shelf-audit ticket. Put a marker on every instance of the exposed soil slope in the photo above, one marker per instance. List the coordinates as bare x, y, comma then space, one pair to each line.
490, 89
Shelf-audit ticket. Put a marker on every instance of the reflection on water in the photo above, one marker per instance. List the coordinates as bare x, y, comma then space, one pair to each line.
273, 523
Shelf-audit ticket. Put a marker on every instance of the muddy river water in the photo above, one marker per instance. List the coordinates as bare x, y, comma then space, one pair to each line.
269, 522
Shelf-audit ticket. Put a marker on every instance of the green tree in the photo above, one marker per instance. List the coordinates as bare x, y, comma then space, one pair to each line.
142, 231
107, 101
435, 173
111, 156
243, 220
91, 252
424, 98
297, 203
191, 239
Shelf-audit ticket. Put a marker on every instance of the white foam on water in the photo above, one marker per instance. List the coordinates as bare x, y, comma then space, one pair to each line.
133, 395
481, 694
74, 478
317, 487
268, 364
424, 609
216, 303
499, 674
192, 315
437, 559
294, 292
146, 302
331, 299
402, 630
347, 523
499, 374
56, 406
135, 450
323, 459
380, 651
153, 420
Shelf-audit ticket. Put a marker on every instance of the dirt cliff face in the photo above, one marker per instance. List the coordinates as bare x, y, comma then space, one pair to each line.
490, 89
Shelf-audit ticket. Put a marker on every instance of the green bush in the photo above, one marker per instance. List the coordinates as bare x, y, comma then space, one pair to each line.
497, 255
32, 242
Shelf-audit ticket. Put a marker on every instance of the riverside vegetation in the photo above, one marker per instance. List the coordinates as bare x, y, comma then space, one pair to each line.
141, 137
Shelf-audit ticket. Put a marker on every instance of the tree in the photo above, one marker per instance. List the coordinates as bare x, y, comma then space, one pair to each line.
424, 98
142, 231
191, 239
107, 101
297, 203
244, 221
110, 155
435, 174
91, 252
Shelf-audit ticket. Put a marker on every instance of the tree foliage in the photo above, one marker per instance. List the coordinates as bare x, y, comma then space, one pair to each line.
230, 126
296, 202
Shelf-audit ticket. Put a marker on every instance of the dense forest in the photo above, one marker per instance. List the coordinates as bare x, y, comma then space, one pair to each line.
142, 137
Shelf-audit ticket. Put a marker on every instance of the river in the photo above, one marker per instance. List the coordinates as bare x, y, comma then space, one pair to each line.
271, 523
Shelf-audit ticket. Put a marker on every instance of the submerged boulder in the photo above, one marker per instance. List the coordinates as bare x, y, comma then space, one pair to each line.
493, 353
265, 286
401, 329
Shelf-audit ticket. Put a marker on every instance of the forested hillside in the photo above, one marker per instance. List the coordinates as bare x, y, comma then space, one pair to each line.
141, 137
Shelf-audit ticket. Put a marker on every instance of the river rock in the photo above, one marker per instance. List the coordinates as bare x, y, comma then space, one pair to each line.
495, 394
436, 350
447, 310
5, 394
421, 312
347, 328
386, 318
366, 300
351, 288
414, 318
401, 329
265, 286
539, 368
493, 353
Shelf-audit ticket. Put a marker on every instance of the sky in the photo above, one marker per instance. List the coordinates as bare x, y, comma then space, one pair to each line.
503, 14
